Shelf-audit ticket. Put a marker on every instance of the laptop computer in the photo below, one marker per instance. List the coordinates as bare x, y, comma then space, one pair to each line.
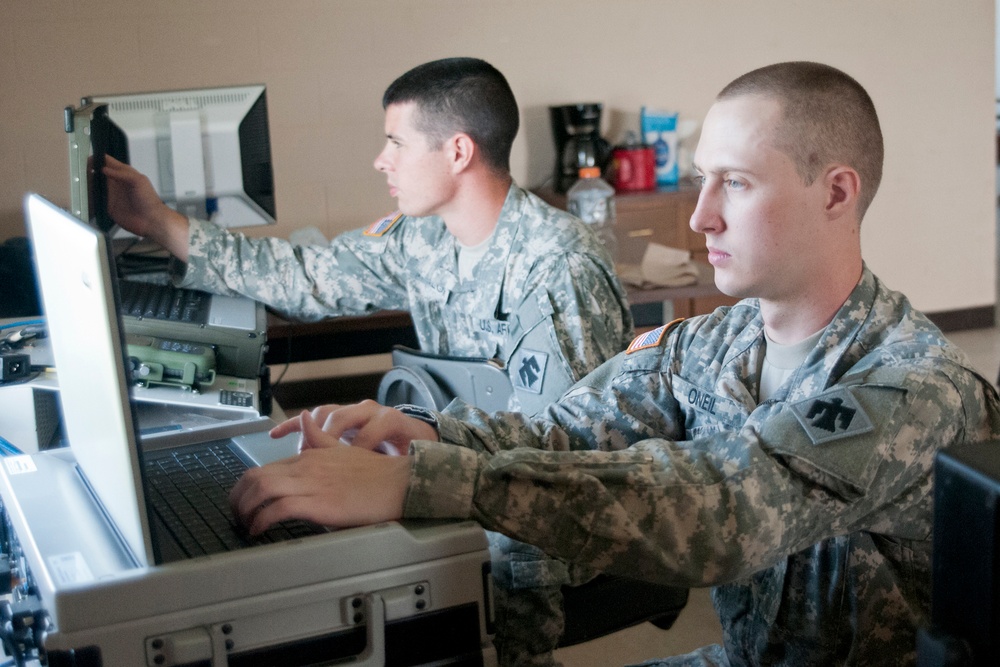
103, 581
81, 301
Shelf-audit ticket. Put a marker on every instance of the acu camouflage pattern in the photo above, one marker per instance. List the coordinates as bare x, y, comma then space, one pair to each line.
545, 290
545, 285
662, 465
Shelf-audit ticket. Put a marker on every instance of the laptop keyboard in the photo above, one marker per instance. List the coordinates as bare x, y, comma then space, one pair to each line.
189, 491
164, 302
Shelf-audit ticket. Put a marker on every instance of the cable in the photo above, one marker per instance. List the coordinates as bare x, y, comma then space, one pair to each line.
7, 448
14, 325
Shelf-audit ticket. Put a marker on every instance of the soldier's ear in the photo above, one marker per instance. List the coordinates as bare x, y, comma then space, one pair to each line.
843, 186
461, 150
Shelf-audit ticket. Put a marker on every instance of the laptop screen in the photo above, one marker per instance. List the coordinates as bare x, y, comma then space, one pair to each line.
74, 268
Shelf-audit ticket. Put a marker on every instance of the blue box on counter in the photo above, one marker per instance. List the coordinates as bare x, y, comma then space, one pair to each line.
659, 130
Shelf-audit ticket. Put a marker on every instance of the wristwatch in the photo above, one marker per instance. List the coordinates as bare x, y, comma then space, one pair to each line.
421, 413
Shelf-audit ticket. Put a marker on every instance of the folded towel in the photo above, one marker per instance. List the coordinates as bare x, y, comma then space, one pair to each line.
661, 266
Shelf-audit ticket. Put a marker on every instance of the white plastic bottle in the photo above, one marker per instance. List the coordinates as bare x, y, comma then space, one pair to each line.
592, 200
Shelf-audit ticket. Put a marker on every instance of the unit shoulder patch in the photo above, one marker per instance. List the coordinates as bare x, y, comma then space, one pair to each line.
651, 338
529, 370
380, 227
831, 416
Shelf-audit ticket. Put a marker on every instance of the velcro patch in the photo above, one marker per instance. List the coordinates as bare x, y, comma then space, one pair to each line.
831, 416
650, 338
382, 226
529, 370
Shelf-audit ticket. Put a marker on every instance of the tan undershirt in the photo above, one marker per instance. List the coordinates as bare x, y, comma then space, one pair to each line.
780, 361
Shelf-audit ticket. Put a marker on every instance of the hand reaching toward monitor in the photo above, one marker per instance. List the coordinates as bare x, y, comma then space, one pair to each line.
328, 483
134, 206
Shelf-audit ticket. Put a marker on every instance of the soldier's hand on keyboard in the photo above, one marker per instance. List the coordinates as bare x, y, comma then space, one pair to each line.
347, 437
367, 425
328, 483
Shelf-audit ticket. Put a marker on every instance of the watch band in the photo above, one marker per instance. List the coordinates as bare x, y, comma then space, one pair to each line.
421, 413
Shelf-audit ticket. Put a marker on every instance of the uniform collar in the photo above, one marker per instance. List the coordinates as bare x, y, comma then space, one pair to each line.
492, 267
829, 359
833, 355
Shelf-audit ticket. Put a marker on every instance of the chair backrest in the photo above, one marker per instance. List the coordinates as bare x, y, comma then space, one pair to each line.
432, 381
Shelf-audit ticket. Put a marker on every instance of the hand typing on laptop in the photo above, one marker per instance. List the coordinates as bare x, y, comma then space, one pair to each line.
368, 425
328, 482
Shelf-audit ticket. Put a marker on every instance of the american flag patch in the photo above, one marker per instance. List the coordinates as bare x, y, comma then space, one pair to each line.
650, 338
382, 226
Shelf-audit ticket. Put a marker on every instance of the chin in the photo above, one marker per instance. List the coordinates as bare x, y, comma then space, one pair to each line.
411, 211
731, 288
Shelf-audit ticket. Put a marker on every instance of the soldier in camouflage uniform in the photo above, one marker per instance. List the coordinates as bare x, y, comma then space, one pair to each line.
700, 456
506, 277
485, 269
809, 512
544, 299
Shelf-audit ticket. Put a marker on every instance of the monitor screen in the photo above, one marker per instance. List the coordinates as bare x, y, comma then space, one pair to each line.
965, 598
206, 151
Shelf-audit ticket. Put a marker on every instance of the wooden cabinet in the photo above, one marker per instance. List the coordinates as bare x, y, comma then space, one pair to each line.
660, 216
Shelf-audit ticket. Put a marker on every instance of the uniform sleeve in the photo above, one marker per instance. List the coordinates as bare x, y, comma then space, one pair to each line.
575, 313
704, 511
353, 275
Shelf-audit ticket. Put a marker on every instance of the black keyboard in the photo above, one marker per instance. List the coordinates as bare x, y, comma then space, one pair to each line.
164, 302
189, 491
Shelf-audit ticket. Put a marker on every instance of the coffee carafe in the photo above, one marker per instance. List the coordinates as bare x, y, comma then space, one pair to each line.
576, 130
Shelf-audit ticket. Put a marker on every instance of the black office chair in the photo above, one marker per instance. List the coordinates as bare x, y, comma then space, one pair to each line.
605, 604
609, 603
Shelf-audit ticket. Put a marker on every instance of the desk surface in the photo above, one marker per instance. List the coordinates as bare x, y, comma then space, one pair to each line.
336, 337
280, 328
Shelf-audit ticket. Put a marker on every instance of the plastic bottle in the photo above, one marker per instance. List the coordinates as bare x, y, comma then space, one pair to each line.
593, 200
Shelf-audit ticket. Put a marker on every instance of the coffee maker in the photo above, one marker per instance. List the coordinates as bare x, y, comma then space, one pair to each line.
576, 130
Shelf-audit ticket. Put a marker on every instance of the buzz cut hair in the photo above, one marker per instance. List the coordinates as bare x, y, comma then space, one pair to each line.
826, 118
466, 95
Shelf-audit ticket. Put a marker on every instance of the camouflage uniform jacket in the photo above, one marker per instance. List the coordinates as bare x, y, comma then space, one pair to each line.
809, 513
545, 299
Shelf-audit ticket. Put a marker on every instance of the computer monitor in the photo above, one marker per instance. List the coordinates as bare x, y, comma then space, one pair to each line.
206, 151
89, 130
965, 594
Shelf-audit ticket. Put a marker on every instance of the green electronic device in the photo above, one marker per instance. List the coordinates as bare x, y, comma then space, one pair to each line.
170, 362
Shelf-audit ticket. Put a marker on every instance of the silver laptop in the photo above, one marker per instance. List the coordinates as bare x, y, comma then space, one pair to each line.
74, 265
99, 560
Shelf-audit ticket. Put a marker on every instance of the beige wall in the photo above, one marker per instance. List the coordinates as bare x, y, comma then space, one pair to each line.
928, 65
